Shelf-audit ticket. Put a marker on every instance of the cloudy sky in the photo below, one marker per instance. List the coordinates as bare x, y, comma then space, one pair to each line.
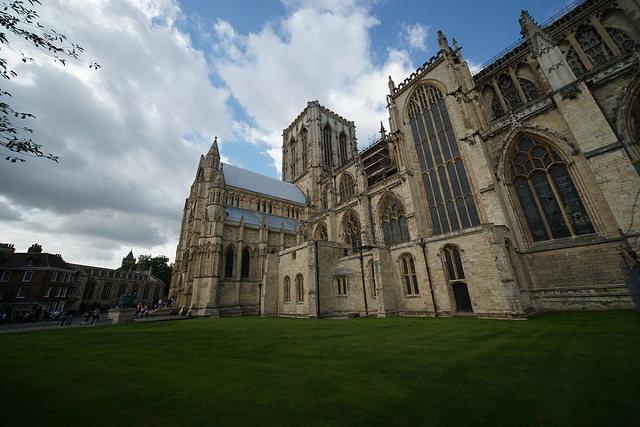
175, 74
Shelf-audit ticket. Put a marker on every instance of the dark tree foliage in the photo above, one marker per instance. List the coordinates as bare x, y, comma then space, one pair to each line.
19, 19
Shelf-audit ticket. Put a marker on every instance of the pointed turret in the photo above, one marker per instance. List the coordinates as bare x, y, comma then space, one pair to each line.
213, 156
219, 181
546, 51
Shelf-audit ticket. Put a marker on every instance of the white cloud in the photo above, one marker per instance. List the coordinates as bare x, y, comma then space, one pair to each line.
128, 135
416, 36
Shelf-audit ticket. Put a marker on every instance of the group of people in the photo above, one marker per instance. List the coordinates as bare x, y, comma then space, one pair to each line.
142, 310
91, 316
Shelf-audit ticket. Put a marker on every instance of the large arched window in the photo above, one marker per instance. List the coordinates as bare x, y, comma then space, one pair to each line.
304, 142
352, 231
246, 263
622, 39
394, 222
344, 158
327, 147
228, 265
299, 288
408, 271
549, 200
347, 187
321, 233
451, 204
287, 289
576, 63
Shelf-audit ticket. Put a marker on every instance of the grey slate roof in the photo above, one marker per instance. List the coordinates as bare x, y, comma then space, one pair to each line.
255, 218
247, 180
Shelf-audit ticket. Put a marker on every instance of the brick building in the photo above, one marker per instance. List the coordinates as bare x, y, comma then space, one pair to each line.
500, 194
39, 280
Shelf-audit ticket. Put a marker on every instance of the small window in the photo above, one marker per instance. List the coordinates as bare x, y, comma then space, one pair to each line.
5, 276
63, 276
342, 285
27, 276
1, 293
409, 273
54, 276
22, 292
287, 289
47, 293
58, 292
299, 288
64, 292
30, 261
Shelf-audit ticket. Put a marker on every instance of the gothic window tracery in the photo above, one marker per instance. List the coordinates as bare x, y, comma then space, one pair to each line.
347, 187
453, 263
327, 150
408, 271
292, 158
548, 197
321, 232
593, 45
394, 222
509, 92
496, 107
575, 63
343, 149
351, 227
622, 39
448, 192
529, 89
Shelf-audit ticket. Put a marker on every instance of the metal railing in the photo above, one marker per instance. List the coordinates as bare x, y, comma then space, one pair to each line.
77, 321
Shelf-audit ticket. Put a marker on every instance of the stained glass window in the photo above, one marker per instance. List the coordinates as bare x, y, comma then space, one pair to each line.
347, 187
343, 149
550, 202
575, 63
228, 266
593, 45
352, 231
529, 89
246, 261
450, 202
509, 92
394, 222
622, 39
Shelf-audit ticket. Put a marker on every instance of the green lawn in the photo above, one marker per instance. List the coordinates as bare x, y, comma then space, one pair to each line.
575, 368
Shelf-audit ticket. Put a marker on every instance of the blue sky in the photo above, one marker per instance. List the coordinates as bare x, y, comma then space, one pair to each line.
176, 74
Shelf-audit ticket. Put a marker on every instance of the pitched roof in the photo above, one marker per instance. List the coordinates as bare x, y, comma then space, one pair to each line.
251, 181
39, 261
255, 218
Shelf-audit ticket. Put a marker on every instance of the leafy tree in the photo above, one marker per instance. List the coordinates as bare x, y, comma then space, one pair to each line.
19, 19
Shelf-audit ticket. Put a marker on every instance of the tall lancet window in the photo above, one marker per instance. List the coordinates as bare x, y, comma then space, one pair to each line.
327, 150
292, 158
344, 158
449, 198
550, 202
304, 142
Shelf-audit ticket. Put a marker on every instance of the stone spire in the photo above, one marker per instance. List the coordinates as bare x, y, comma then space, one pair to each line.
213, 156
546, 51
539, 41
219, 181
443, 43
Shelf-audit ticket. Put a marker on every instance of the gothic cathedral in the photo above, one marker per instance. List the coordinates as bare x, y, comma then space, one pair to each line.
500, 194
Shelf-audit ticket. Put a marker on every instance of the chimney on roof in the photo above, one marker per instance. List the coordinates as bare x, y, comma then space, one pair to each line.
7, 247
35, 249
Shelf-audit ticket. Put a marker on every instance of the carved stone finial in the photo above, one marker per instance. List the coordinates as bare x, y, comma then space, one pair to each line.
383, 132
455, 44
392, 86
443, 43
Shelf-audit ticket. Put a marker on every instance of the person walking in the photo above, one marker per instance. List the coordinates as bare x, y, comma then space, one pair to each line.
96, 316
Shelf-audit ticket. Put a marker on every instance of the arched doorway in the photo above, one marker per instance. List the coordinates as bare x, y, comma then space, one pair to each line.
461, 295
